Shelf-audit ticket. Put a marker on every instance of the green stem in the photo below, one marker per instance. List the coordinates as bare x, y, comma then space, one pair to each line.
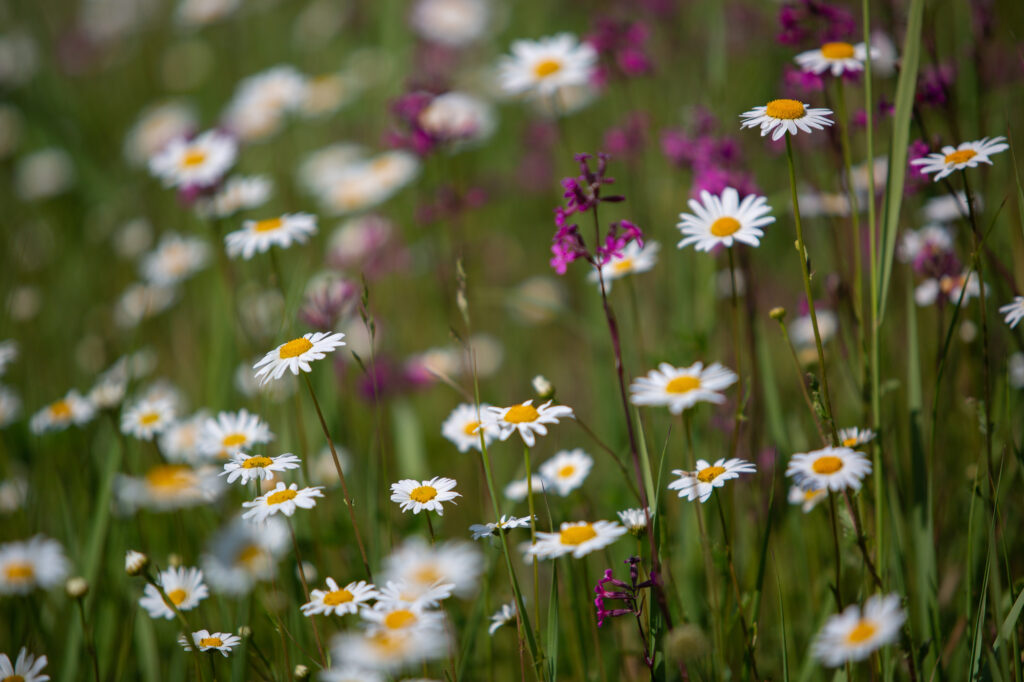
533, 535
838, 556
738, 413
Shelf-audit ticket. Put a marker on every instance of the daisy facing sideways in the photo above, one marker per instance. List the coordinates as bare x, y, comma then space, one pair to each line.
1013, 312
147, 418
338, 601
699, 484
281, 499
786, 116
503, 616
967, 155
257, 236
297, 354
462, 427
417, 496
184, 587
830, 468
542, 67
245, 468
58, 415
526, 419
723, 220
579, 539
567, 470
855, 633
837, 58
634, 259
35, 563
853, 436
205, 640
484, 530
232, 432
680, 388
199, 162
807, 499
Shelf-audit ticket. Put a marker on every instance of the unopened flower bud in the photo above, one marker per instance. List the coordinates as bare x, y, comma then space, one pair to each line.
777, 313
76, 587
301, 672
545, 390
135, 562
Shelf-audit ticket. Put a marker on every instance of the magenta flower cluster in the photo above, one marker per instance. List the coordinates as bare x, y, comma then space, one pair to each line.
627, 593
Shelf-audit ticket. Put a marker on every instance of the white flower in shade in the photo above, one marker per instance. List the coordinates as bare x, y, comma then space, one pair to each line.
13, 491
43, 174
567, 470
526, 419
245, 468
829, 468
239, 193
111, 386
326, 93
929, 241
201, 161
391, 617
390, 650
723, 220
281, 500
837, 58
338, 601
801, 331
967, 155
579, 539
8, 354
949, 208
232, 432
680, 388
949, 288
262, 101
541, 67
417, 496
398, 593
10, 406
504, 523
518, 490
634, 259
458, 118
166, 487
57, 416
26, 668
422, 567
241, 554
296, 355
853, 436
453, 23
635, 520
699, 484
147, 418
855, 633
183, 586
364, 183
179, 442
461, 427
786, 116
257, 236
156, 127
807, 499
38, 562
205, 640
503, 616
1013, 312
135, 562
175, 259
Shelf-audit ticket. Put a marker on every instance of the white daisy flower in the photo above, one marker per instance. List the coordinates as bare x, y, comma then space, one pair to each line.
837, 58
257, 236
680, 388
398, 593
156, 127
503, 616
179, 442
948, 287
929, 240
453, 23
135, 562
458, 118
262, 101
526, 419
239, 193
147, 418
579, 539
567, 470
853, 436
8, 354
390, 650
1013, 312
807, 499
166, 487
855, 633
27, 668
462, 427
297, 354
281, 499
949, 208
424, 495
175, 259
518, 490
110, 388
786, 116
10, 406
541, 67
232, 432
484, 530
422, 566
721, 220
57, 416
245, 468
699, 484
338, 601
241, 554
183, 586
801, 330
14, 490
635, 520
634, 259
832, 468
390, 618
205, 640
201, 161
967, 155
26, 565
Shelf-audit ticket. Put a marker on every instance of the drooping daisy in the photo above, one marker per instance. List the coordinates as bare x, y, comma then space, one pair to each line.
461, 427
829, 468
680, 388
57, 416
422, 566
281, 499
504, 523
257, 236
175, 259
807, 499
453, 23
635, 520
241, 554
239, 193
338, 601
579, 539
837, 58
786, 116
199, 162
503, 616
855, 633
147, 418
166, 487
967, 155
1013, 312
567, 470
205, 640
27, 668
390, 650
245, 468
183, 586
38, 562
518, 490
633, 259
389, 617
853, 436
399, 593
542, 67
232, 432
297, 354
417, 496
135, 562
526, 419
699, 484
722, 220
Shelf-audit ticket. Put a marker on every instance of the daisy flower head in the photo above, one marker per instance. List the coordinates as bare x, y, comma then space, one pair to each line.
830, 468
837, 58
519, 489
183, 586
680, 388
723, 220
26, 668
526, 419
30, 564
424, 495
147, 418
542, 67
239, 193
179, 442
58, 415
199, 162
241, 554
635, 520
1013, 312
166, 487
204, 640
567, 470
503, 616
949, 288
452, 23
338, 601
398, 593
422, 567
855, 633
297, 354
401, 617
699, 484
156, 126
388, 650
807, 499
463, 427
245, 468
257, 236
577, 538
229, 433
175, 259
853, 436
967, 155
284, 500
786, 116
504, 523
634, 258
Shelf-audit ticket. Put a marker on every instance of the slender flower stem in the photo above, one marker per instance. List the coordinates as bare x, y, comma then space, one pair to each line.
861, 539
835, 545
430, 527
305, 591
90, 641
858, 275
801, 381
341, 476
748, 644
533, 534
736, 336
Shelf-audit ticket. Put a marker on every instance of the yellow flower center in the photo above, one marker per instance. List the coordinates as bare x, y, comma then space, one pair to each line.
282, 496
257, 462
709, 474
423, 494
338, 597
387, 644
961, 156
60, 410
427, 575
545, 68
622, 266
295, 348
193, 157
683, 384
566, 471
725, 226
785, 108
169, 478
850, 442
399, 619
249, 555
177, 596
149, 418
268, 225
827, 465
521, 414
211, 641
864, 631
19, 571
13, 678
577, 535
812, 494
231, 440
470, 428
837, 50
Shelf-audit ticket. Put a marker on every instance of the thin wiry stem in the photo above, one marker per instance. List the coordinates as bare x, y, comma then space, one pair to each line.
533, 534
305, 591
